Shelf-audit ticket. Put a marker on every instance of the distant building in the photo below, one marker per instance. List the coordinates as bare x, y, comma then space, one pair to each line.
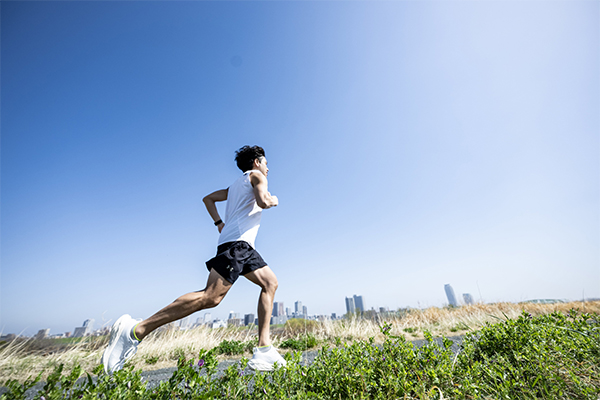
298, 307
42, 333
333, 316
88, 323
184, 323
304, 311
235, 322
207, 317
278, 320
350, 307
288, 312
84, 330
468, 298
278, 309
234, 315
217, 324
359, 303
546, 301
450, 294
80, 332
248, 319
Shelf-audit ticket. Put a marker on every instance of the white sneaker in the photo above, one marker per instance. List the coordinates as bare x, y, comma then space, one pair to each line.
121, 346
264, 360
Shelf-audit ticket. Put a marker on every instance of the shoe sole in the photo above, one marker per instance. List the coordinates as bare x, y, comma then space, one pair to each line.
263, 366
115, 333
260, 366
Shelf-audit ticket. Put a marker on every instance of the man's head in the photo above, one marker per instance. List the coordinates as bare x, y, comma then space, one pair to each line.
251, 157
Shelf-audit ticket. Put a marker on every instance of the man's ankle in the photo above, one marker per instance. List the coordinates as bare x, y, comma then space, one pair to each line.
264, 349
134, 335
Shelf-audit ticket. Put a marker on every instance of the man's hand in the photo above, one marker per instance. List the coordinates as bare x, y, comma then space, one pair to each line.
275, 200
221, 226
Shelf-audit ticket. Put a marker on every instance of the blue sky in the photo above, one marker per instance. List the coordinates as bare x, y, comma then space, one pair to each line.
411, 144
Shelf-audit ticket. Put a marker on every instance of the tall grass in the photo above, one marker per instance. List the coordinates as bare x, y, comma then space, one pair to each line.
161, 349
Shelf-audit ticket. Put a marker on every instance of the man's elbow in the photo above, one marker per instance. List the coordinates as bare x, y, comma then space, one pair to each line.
207, 199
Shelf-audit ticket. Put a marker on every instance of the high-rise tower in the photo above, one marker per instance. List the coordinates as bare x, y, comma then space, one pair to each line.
350, 307
450, 294
468, 298
359, 303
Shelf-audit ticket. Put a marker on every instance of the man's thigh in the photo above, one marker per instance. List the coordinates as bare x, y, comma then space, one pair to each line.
216, 285
263, 277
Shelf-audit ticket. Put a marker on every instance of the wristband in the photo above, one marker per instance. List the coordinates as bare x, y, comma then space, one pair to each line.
219, 222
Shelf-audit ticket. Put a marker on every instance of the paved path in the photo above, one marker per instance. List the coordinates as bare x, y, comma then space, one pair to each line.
155, 377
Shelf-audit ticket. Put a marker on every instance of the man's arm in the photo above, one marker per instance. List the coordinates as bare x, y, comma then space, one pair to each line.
261, 193
211, 207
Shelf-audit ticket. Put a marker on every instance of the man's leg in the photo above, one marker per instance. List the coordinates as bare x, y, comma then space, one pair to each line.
216, 289
266, 279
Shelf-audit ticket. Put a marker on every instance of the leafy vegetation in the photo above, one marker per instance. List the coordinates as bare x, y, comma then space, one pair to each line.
235, 347
553, 356
303, 342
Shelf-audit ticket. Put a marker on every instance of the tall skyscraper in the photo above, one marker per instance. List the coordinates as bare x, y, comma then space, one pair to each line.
248, 319
88, 323
277, 309
184, 322
468, 298
450, 294
359, 303
304, 311
350, 307
298, 307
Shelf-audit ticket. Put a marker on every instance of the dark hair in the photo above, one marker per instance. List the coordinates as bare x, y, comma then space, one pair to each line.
245, 156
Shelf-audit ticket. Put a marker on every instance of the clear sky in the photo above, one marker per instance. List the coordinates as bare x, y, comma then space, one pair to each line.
411, 144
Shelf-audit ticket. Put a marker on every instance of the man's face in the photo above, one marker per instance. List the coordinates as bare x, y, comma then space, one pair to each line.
262, 165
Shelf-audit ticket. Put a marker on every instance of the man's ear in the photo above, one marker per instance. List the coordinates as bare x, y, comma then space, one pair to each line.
256, 162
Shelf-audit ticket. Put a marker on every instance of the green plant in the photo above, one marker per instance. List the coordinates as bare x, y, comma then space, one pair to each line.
460, 327
303, 342
231, 347
177, 353
548, 357
151, 359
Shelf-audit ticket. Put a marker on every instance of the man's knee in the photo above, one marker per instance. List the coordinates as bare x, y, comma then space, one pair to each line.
271, 285
213, 300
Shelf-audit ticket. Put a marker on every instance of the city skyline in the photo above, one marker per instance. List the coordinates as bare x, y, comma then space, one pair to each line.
250, 318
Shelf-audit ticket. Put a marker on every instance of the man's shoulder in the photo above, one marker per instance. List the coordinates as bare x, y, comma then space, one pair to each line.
257, 173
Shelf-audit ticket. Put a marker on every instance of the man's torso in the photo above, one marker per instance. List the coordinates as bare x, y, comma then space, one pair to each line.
242, 214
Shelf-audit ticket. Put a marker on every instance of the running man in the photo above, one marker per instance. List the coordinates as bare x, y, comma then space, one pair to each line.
246, 198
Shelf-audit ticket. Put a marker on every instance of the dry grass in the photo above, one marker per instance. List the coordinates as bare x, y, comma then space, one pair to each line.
162, 349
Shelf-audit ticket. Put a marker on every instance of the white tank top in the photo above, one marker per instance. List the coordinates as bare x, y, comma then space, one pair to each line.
242, 214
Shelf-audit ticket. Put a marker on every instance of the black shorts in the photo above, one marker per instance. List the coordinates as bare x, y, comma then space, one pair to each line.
234, 259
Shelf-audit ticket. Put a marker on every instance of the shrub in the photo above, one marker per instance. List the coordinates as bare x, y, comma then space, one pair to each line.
230, 347
303, 342
548, 357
